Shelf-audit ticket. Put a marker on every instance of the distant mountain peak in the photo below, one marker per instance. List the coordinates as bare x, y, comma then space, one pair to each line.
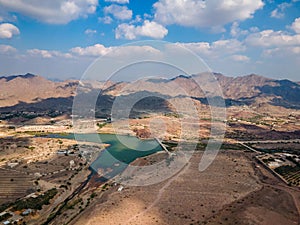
26, 76
182, 77
255, 76
29, 75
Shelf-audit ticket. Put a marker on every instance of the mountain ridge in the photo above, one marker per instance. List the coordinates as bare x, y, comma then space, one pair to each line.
249, 89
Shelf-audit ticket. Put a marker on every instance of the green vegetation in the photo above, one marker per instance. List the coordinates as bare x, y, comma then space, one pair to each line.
71, 205
176, 115
35, 203
5, 206
224, 146
144, 117
5, 216
241, 135
36, 133
230, 146
42, 133
255, 119
104, 186
170, 145
201, 145
290, 173
293, 159
30, 147
101, 125
268, 160
284, 169
274, 150
93, 195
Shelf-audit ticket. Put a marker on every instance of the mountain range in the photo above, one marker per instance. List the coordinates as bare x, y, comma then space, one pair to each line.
32, 92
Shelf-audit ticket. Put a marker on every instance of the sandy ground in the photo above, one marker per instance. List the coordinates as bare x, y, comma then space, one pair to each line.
190, 197
275, 203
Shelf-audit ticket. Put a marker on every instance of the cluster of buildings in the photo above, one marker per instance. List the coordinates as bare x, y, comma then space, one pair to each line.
279, 159
13, 218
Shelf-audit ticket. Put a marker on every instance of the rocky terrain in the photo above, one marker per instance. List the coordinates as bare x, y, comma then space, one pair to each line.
31, 91
262, 118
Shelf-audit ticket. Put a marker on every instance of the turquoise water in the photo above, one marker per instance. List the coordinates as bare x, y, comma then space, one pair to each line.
115, 158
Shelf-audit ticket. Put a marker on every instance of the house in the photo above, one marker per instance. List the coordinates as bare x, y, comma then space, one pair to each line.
16, 219
62, 152
120, 188
12, 164
32, 195
27, 212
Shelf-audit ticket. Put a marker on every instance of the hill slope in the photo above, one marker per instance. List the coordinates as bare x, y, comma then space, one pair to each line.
251, 89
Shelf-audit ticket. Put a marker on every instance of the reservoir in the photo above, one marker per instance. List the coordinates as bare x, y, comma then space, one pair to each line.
122, 150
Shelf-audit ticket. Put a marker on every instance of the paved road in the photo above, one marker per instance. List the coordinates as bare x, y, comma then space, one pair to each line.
163, 146
246, 146
270, 141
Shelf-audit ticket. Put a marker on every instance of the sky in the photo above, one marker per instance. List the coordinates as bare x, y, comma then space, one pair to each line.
59, 39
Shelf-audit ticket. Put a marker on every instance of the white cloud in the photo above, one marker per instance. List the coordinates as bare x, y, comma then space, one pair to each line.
42, 53
296, 25
7, 49
236, 31
95, 50
215, 49
218, 29
254, 29
147, 29
98, 50
138, 19
7, 17
90, 32
277, 45
229, 46
54, 11
119, 12
279, 12
270, 38
286, 52
212, 13
296, 50
227, 56
147, 16
8, 30
105, 19
118, 1
240, 58
48, 54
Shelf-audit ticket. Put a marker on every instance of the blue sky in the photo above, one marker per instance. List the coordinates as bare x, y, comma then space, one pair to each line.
60, 38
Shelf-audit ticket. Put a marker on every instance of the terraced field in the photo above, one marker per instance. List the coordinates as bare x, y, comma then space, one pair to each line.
14, 185
290, 174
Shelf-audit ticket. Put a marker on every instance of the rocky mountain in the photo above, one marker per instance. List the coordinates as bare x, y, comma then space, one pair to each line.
30, 88
251, 89
36, 92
